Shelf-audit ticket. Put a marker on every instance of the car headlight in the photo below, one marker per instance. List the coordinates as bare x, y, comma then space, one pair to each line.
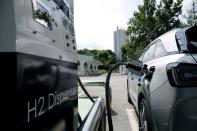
182, 74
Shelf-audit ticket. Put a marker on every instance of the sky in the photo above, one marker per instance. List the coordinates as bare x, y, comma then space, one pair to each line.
95, 20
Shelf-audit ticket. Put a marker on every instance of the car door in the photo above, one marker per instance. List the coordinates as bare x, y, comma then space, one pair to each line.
155, 63
146, 56
159, 52
131, 81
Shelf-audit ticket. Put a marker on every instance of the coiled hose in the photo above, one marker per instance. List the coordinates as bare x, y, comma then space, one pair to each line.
107, 94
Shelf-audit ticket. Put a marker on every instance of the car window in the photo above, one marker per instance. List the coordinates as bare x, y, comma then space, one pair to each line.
169, 41
160, 50
148, 55
140, 59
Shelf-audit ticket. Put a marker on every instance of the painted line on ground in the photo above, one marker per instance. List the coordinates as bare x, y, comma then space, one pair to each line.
80, 94
132, 119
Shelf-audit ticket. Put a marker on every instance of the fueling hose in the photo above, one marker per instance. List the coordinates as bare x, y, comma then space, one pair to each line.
85, 91
87, 94
107, 93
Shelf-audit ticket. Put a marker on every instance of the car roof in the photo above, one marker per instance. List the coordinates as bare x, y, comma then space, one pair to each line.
169, 40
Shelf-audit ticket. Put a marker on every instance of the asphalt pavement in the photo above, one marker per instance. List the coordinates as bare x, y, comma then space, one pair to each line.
124, 117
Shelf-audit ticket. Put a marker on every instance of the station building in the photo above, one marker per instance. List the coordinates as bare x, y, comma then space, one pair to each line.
87, 65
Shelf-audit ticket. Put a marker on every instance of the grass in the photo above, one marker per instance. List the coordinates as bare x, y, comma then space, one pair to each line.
102, 71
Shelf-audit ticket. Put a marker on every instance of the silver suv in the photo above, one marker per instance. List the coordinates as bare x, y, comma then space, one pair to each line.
162, 84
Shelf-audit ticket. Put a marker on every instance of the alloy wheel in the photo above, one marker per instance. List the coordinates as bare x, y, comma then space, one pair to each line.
143, 121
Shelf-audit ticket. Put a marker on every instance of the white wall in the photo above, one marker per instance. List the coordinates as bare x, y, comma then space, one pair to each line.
90, 61
119, 40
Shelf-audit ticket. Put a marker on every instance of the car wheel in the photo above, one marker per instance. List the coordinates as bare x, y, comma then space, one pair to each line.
144, 120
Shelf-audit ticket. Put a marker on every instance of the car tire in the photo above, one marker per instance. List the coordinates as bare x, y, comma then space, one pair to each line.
144, 118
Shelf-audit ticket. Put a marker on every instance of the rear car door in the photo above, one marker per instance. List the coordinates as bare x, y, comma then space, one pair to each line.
147, 56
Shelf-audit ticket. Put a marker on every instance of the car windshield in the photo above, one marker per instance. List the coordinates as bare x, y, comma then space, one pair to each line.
192, 39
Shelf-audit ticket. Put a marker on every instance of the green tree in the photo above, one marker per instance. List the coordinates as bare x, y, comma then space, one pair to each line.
149, 22
142, 25
130, 51
192, 14
85, 52
107, 57
167, 16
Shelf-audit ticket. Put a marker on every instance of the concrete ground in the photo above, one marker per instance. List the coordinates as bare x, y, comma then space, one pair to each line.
124, 117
